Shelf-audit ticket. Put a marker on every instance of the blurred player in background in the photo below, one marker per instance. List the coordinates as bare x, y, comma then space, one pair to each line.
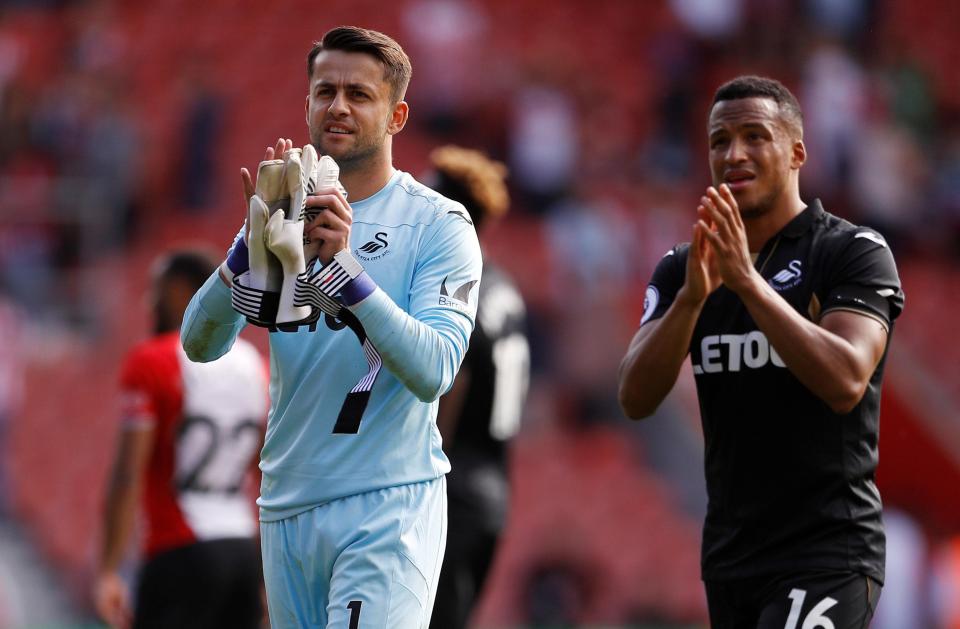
188, 444
11, 391
786, 312
353, 501
482, 411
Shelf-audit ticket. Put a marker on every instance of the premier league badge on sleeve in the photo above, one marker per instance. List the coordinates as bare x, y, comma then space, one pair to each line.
650, 301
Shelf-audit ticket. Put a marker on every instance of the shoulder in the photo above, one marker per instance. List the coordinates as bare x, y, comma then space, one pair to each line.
838, 234
411, 202
156, 348
151, 356
675, 258
848, 249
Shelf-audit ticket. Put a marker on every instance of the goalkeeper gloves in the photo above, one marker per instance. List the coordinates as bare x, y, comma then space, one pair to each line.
277, 289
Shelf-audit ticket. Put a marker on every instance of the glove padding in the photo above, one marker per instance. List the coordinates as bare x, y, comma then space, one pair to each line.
266, 295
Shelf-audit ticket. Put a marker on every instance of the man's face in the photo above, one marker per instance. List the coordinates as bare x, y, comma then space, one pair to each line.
753, 151
350, 109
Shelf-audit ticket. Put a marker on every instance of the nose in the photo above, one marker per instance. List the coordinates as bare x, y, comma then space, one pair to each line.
736, 152
338, 107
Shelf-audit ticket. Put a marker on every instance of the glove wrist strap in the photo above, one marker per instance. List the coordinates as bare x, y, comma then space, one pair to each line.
348, 263
238, 259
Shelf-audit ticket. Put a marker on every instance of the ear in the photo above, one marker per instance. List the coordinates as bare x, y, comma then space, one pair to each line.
398, 117
306, 109
798, 154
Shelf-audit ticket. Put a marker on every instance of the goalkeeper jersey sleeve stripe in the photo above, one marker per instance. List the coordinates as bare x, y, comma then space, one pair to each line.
425, 358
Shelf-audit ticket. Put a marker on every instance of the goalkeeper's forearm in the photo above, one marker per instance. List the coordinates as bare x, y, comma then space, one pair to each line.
210, 324
423, 355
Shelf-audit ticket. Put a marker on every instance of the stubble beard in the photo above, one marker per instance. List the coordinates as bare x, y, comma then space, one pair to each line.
356, 157
761, 206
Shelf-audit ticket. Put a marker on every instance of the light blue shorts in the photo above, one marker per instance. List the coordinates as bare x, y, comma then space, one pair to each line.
369, 561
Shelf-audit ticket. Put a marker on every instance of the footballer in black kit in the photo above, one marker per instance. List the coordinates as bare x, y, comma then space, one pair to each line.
483, 409
793, 536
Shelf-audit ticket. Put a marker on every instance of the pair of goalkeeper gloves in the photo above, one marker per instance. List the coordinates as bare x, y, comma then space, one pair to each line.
268, 266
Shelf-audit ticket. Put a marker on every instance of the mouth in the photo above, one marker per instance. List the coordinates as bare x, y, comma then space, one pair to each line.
737, 180
337, 129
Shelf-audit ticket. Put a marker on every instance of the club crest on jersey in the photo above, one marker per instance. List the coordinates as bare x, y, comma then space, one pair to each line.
460, 298
788, 277
373, 249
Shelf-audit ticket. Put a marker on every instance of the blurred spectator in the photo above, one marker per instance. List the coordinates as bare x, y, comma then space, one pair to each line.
189, 437
842, 19
591, 243
558, 592
904, 602
109, 166
446, 45
544, 143
666, 155
888, 177
97, 41
908, 90
715, 20
946, 584
11, 390
946, 186
11, 57
834, 96
86, 129
203, 114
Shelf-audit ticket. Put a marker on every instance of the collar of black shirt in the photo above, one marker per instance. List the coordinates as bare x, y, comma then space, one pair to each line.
802, 222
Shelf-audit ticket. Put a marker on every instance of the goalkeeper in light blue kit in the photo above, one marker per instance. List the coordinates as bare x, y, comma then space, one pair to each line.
370, 306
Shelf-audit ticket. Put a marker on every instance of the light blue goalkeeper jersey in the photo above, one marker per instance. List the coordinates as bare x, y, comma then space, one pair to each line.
326, 436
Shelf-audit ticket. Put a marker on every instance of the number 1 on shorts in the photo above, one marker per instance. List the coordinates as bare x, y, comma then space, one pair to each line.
354, 607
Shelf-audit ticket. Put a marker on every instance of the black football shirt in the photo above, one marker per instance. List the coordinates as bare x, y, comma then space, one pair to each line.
790, 483
498, 367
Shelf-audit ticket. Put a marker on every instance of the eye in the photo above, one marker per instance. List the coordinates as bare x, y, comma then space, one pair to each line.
359, 94
718, 143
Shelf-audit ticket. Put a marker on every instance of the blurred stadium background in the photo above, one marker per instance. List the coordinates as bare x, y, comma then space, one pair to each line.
122, 129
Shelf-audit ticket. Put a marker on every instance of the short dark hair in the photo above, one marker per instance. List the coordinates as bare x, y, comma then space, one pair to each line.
191, 266
751, 86
396, 63
473, 179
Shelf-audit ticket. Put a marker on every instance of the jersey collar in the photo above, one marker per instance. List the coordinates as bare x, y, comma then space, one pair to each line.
802, 222
379, 194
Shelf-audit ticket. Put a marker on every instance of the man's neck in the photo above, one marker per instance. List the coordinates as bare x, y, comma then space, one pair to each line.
367, 179
762, 228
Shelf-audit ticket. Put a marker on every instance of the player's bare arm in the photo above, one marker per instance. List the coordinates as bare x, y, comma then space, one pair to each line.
111, 597
835, 358
655, 355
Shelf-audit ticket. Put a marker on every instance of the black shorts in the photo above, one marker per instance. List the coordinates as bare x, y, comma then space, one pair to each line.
844, 600
208, 584
471, 545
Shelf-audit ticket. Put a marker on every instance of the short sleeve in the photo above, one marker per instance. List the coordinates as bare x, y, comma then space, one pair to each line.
667, 279
138, 407
864, 279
